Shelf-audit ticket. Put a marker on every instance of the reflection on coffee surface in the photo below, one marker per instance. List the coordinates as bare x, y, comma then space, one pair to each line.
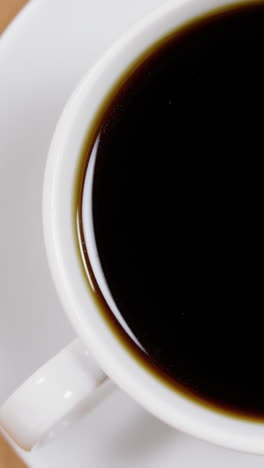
178, 203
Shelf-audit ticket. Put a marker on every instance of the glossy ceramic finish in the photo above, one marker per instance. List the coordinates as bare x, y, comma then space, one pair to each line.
119, 433
63, 161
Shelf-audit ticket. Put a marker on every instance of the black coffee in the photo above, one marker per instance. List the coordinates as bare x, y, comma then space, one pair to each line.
178, 207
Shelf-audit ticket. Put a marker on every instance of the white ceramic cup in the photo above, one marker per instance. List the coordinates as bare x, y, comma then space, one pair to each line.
73, 381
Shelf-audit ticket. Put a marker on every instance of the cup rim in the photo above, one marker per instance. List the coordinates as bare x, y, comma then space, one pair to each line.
59, 181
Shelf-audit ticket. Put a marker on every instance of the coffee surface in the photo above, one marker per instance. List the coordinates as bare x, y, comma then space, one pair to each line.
178, 207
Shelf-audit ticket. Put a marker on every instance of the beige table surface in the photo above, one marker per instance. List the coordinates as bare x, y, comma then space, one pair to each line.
8, 9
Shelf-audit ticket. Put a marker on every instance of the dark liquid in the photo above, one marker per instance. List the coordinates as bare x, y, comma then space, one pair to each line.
178, 207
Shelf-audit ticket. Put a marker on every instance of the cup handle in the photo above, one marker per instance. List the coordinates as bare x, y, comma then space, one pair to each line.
59, 392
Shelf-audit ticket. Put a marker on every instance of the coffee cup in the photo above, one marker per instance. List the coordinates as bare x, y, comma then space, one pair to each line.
81, 374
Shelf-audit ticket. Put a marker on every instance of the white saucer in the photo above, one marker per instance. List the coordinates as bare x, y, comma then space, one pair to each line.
42, 56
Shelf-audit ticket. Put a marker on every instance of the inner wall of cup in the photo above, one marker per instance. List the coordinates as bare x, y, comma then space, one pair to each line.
91, 247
